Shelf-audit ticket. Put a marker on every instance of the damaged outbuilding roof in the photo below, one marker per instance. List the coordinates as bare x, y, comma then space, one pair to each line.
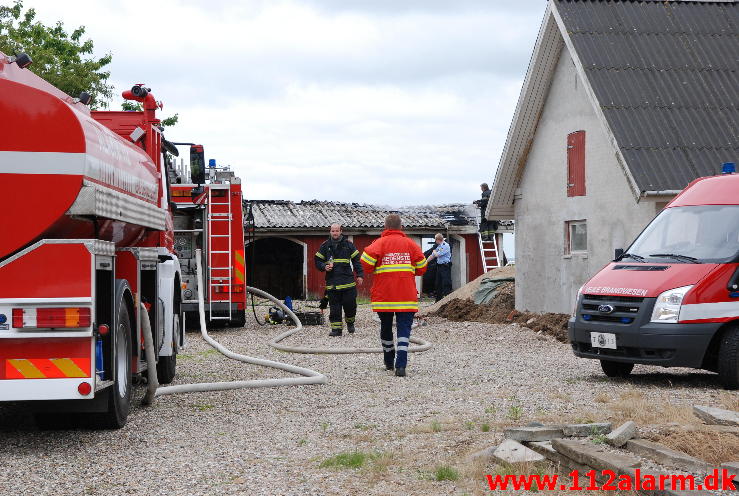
310, 215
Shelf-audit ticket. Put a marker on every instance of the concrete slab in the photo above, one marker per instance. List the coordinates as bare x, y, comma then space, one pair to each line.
513, 452
718, 416
724, 429
668, 457
585, 430
545, 449
542, 433
484, 454
594, 455
622, 434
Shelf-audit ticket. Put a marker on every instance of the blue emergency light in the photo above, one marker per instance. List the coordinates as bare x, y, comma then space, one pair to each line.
728, 168
212, 163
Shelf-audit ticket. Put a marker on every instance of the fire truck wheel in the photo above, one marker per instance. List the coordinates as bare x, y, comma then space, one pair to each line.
119, 395
167, 365
616, 369
728, 358
238, 320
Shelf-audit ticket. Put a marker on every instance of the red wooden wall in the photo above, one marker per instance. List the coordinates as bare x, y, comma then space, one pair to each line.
474, 262
316, 280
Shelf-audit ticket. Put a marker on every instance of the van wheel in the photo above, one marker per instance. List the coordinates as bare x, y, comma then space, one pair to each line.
728, 358
119, 394
616, 369
167, 365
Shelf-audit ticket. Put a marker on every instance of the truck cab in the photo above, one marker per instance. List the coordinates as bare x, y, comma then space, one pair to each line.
672, 297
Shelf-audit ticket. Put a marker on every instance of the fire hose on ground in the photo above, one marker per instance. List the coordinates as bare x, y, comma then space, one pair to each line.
308, 376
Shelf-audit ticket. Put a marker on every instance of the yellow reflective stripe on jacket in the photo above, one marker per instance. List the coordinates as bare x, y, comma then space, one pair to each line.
395, 268
341, 260
394, 305
356, 252
421, 264
367, 259
342, 286
319, 255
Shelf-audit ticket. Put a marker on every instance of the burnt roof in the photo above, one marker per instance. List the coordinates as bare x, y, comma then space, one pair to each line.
318, 215
666, 75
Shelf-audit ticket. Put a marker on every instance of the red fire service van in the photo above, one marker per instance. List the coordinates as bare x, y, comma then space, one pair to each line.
672, 298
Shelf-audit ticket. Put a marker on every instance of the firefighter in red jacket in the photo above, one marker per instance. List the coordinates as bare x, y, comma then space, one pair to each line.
395, 261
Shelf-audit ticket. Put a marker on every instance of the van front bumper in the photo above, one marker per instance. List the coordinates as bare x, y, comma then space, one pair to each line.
667, 345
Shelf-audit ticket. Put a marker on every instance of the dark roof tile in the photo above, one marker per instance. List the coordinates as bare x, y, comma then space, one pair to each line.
666, 75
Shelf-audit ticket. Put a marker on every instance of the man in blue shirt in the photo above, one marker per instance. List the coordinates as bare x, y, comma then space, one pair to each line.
443, 256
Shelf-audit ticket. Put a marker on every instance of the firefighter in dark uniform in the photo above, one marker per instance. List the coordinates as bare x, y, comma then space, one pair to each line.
338, 257
487, 227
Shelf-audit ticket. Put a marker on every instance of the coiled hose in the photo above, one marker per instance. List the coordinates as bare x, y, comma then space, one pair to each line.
308, 376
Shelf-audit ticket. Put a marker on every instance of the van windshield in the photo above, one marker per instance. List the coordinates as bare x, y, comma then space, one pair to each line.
705, 234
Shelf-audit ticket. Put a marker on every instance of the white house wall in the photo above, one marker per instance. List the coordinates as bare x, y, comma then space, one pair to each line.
547, 280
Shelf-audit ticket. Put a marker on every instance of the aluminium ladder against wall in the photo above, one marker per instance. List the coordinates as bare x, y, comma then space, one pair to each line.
220, 248
489, 252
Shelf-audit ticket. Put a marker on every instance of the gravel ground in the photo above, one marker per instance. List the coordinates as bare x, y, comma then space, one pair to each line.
456, 400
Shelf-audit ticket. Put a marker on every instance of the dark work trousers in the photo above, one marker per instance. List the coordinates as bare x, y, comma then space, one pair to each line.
443, 280
404, 321
487, 229
338, 299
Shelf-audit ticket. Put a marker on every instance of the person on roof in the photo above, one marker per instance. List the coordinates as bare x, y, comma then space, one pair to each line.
395, 260
337, 256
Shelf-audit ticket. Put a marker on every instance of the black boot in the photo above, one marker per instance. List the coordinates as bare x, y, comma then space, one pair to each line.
400, 372
350, 328
389, 367
335, 332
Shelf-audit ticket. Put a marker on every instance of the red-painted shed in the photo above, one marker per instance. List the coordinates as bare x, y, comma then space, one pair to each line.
284, 237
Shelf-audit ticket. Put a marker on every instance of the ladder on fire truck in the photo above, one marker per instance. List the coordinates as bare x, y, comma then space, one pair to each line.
489, 252
220, 247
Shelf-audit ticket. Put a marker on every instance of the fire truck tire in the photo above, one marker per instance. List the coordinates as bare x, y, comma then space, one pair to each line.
616, 369
728, 358
238, 320
119, 395
167, 365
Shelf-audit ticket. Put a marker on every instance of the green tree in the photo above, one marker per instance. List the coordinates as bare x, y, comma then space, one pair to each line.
61, 58
136, 107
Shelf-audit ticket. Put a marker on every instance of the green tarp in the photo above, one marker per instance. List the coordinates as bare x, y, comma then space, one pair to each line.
489, 289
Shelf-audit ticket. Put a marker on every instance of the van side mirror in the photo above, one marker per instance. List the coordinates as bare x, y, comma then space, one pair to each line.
733, 285
197, 164
617, 253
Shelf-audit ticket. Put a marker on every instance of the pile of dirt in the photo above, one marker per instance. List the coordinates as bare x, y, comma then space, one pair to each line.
467, 291
501, 310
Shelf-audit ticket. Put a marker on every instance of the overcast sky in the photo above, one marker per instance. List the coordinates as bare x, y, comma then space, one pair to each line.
392, 102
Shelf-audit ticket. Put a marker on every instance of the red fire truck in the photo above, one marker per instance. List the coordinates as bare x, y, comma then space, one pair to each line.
672, 298
208, 214
86, 246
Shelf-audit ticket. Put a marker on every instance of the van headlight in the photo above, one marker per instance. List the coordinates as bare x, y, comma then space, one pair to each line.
577, 300
667, 308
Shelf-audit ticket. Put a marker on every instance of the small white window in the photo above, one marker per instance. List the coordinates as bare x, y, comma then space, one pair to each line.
576, 234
